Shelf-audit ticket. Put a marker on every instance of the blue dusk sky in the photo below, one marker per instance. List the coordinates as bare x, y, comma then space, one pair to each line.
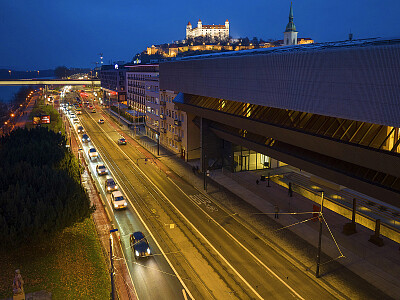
44, 34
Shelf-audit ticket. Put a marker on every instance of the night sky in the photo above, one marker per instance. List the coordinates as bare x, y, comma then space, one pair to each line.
47, 33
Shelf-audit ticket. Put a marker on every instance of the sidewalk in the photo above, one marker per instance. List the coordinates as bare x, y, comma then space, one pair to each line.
363, 261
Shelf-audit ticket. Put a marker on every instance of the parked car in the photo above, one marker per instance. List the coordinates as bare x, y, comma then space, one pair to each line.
122, 141
110, 185
93, 110
80, 129
92, 153
139, 245
118, 200
85, 138
101, 121
101, 170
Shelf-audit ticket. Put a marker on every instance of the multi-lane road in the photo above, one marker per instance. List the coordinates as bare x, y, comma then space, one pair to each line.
199, 248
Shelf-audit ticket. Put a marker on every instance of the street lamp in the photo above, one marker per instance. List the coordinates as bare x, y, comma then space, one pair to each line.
319, 236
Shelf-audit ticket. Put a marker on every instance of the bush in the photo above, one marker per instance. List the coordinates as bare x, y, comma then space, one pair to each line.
40, 190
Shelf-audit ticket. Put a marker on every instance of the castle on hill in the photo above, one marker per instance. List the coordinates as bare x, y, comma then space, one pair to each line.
220, 32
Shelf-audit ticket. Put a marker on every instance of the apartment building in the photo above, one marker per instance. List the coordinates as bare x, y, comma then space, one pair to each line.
136, 77
113, 83
173, 125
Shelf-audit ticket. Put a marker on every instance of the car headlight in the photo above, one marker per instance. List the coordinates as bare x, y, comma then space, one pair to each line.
125, 204
136, 253
108, 188
148, 251
115, 205
116, 187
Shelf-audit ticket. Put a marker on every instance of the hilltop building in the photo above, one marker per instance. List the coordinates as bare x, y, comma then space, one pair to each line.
220, 32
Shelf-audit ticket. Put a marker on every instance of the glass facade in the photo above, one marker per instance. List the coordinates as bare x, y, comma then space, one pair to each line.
246, 160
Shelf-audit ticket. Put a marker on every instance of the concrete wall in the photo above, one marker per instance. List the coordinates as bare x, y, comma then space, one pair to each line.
356, 83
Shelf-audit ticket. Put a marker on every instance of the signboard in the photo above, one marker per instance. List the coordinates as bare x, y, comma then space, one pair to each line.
45, 119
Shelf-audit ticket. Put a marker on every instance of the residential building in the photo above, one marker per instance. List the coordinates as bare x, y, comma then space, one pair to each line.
113, 83
136, 76
173, 125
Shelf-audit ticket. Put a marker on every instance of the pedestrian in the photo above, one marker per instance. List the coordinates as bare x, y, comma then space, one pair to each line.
290, 191
257, 182
276, 209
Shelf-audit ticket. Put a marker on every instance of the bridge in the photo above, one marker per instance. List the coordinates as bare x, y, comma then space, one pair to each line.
18, 82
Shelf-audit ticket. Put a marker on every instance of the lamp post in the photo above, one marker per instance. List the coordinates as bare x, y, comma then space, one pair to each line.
319, 236
112, 265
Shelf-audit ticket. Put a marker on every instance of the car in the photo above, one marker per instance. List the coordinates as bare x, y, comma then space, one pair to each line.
85, 138
80, 129
78, 112
93, 110
76, 120
90, 106
101, 121
139, 245
121, 141
101, 170
92, 153
118, 200
110, 185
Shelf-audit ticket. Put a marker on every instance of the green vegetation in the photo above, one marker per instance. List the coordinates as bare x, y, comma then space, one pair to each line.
70, 265
40, 190
47, 110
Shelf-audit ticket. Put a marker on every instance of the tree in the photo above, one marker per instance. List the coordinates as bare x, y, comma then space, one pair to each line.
61, 72
40, 190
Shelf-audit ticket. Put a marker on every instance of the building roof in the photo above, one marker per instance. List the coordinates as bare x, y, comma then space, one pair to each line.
189, 23
214, 26
361, 43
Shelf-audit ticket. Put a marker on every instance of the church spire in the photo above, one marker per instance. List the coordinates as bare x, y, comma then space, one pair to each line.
290, 26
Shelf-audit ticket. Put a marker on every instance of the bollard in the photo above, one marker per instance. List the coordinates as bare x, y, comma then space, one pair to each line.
375, 238
350, 228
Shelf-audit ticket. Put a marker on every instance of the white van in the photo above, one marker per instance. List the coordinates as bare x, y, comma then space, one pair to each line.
118, 201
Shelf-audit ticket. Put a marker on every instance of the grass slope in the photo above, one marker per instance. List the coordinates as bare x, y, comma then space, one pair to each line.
70, 265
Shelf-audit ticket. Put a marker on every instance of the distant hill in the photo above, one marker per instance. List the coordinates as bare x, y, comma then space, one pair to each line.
5, 74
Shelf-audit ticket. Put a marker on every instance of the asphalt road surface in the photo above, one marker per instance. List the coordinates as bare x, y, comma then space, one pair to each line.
214, 254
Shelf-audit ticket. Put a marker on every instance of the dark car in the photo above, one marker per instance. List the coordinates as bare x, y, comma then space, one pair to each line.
81, 129
110, 185
122, 141
139, 245
85, 138
101, 121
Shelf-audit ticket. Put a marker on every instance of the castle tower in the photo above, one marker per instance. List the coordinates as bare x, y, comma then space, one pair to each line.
189, 33
227, 24
290, 34
199, 25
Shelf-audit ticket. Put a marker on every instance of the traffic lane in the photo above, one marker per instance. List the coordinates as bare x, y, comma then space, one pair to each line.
248, 267
156, 272
157, 279
151, 270
239, 257
269, 257
264, 287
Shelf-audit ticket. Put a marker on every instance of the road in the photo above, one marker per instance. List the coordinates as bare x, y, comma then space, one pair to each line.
216, 254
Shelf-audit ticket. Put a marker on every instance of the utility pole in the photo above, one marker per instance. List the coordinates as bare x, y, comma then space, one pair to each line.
112, 265
320, 236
